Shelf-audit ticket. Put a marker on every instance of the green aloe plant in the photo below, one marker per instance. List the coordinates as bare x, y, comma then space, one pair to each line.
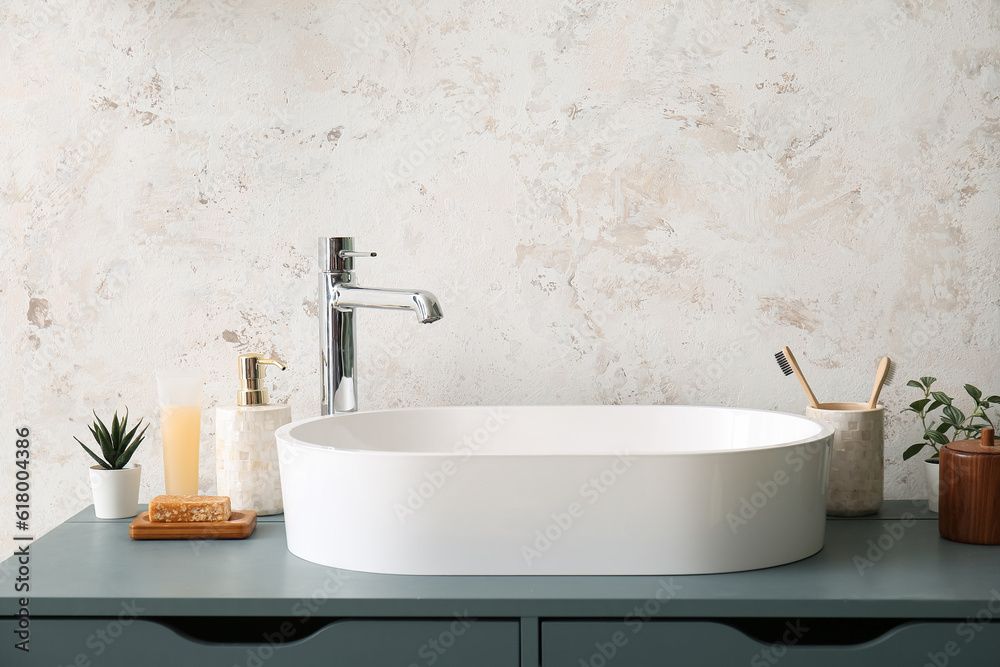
117, 444
953, 420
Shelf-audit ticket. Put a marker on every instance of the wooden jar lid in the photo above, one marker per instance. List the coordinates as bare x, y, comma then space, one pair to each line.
982, 446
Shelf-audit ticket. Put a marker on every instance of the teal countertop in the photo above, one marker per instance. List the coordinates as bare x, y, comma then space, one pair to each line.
891, 565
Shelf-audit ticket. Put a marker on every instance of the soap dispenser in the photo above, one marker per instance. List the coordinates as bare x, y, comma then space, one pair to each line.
246, 453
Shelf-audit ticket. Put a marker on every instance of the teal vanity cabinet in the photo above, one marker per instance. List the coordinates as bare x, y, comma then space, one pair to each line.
885, 590
660, 643
163, 642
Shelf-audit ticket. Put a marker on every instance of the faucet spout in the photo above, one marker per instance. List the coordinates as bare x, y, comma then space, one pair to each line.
421, 302
339, 296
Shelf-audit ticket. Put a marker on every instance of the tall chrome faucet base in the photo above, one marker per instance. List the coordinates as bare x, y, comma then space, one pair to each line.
339, 295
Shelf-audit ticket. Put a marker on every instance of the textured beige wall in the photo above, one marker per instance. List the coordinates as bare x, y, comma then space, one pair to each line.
617, 202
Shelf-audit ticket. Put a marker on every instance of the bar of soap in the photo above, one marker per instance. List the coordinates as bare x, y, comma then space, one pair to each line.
187, 509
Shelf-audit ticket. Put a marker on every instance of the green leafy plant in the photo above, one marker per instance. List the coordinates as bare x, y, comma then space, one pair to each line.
953, 420
117, 444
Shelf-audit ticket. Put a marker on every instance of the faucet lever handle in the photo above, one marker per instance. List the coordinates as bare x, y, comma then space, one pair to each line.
337, 253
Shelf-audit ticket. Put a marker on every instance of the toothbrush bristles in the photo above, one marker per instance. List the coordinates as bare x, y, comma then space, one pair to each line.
783, 364
890, 373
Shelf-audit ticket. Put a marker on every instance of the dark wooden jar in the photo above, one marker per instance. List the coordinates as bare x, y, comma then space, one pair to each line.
969, 502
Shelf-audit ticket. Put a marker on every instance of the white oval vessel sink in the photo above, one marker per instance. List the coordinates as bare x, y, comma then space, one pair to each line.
566, 490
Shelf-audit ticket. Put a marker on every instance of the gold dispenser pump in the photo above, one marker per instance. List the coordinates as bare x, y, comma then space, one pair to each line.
251, 375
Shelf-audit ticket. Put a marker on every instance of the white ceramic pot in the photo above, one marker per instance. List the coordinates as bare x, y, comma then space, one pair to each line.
116, 492
932, 469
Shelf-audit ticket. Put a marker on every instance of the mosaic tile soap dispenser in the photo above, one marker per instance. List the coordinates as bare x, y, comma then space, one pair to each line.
246, 453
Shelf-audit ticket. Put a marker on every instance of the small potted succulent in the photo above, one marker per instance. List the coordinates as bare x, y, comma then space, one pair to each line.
115, 483
955, 425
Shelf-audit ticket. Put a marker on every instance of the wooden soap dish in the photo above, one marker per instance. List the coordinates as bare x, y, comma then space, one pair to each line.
241, 523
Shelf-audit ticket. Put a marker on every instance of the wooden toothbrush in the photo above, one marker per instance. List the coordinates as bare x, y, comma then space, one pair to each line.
788, 365
886, 372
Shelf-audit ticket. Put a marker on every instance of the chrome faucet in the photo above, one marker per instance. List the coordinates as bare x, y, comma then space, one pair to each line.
339, 295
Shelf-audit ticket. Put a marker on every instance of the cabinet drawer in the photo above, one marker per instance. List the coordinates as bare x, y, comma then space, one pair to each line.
109, 642
662, 643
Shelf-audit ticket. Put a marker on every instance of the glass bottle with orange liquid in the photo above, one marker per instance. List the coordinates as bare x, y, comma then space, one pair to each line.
180, 395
